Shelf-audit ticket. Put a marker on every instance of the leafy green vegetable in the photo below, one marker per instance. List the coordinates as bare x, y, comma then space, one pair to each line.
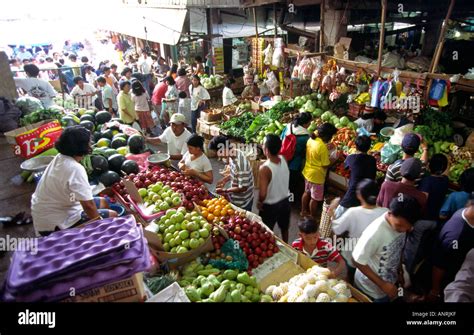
41, 115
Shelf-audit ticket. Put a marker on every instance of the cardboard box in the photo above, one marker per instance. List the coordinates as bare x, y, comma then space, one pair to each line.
291, 268
209, 115
12, 134
340, 181
126, 290
173, 260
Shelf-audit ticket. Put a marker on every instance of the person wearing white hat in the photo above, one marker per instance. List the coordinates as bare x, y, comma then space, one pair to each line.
174, 136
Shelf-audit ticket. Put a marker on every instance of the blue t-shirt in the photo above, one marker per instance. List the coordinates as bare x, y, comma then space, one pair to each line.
455, 201
455, 240
437, 188
361, 166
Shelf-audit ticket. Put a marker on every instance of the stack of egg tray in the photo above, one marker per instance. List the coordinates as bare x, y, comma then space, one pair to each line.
77, 260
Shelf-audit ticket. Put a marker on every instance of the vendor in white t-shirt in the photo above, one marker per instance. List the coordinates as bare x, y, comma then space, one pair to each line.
63, 197
35, 87
175, 136
228, 97
194, 162
84, 94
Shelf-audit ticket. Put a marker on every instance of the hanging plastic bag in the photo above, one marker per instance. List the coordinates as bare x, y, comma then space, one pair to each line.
316, 78
437, 89
277, 59
390, 153
268, 52
374, 94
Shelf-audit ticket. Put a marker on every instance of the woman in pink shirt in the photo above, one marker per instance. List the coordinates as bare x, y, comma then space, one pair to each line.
158, 94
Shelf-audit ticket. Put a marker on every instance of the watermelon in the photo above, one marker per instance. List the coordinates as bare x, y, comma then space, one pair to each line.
118, 142
99, 164
110, 152
68, 121
88, 117
136, 144
130, 166
88, 125
123, 151
108, 134
103, 142
109, 178
115, 162
103, 117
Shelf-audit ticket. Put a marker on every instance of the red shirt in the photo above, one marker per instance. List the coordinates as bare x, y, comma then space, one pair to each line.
159, 93
322, 254
391, 189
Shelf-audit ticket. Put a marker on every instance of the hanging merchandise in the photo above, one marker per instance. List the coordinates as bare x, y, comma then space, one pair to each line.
341, 76
398, 83
374, 93
278, 60
306, 69
268, 52
295, 72
444, 99
437, 89
272, 81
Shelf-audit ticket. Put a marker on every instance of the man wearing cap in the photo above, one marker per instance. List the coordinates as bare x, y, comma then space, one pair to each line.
410, 144
175, 136
410, 171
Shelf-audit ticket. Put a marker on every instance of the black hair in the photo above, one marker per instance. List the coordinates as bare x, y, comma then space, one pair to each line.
113, 66
123, 83
466, 180
161, 58
77, 79
49, 59
26, 60
170, 80
229, 82
181, 71
88, 67
368, 190
126, 70
74, 141
105, 69
12, 61
405, 206
392, 48
273, 144
218, 141
196, 141
438, 164
198, 79
101, 79
302, 119
84, 59
58, 64
182, 95
380, 115
198, 59
137, 88
308, 226
31, 70
174, 68
73, 57
367, 116
363, 143
138, 76
326, 131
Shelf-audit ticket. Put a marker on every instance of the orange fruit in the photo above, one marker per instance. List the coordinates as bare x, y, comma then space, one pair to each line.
205, 213
210, 217
218, 208
211, 209
205, 202
223, 212
217, 213
230, 211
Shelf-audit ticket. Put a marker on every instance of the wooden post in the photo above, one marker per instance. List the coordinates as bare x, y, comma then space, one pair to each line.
275, 19
382, 36
439, 47
255, 21
321, 25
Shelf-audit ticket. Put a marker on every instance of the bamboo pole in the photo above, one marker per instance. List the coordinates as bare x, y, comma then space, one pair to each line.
255, 22
321, 25
275, 19
382, 36
439, 46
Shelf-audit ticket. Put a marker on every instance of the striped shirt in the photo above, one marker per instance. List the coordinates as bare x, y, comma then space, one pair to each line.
394, 174
322, 254
241, 176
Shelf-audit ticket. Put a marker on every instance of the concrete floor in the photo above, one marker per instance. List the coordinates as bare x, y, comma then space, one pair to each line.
16, 198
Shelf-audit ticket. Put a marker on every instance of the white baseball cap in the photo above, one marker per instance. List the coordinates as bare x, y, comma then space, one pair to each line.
178, 118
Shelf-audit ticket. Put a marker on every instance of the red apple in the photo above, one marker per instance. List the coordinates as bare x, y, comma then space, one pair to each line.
258, 251
263, 246
269, 253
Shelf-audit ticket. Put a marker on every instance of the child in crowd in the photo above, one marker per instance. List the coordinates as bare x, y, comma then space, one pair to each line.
320, 251
435, 185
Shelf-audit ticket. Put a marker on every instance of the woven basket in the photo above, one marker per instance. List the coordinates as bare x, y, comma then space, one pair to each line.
325, 226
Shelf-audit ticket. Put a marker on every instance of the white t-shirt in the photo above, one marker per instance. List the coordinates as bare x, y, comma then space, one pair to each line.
176, 145
91, 77
379, 247
141, 102
144, 65
37, 88
354, 221
201, 164
228, 97
197, 94
79, 93
56, 201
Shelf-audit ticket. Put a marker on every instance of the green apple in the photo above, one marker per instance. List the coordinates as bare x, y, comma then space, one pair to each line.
204, 233
185, 243
171, 212
176, 201
160, 236
176, 234
184, 225
166, 247
156, 188
191, 226
178, 240
182, 250
183, 234
195, 235
202, 223
169, 201
173, 250
188, 216
180, 216
207, 226
156, 198
143, 192
168, 237
172, 243
171, 229
193, 243
178, 226
164, 206
197, 219
168, 222
201, 241
162, 228
182, 210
